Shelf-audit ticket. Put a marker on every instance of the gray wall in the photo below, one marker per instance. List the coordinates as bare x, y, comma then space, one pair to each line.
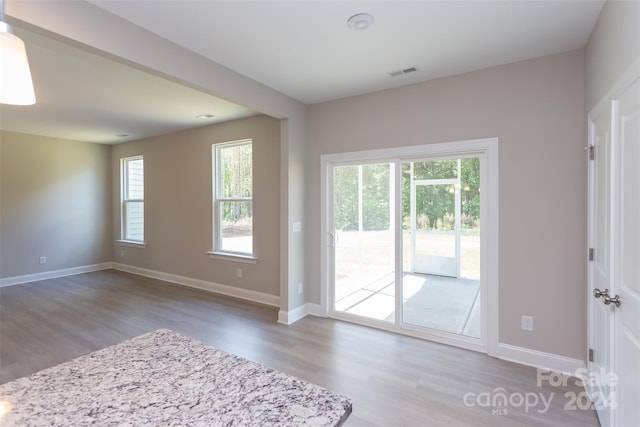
55, 201
613, 47
178, 207
536, 109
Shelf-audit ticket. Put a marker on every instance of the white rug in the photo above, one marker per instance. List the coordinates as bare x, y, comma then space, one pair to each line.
166, 379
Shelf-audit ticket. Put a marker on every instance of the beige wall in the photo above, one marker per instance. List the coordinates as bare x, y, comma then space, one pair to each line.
292, 211
178, 211
536, 109
614, 45
55, 201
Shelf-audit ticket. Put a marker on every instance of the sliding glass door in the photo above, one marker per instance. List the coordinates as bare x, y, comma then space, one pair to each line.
404, 244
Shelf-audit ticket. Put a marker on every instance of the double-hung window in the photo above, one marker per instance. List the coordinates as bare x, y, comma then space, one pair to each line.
132, 197
233, 198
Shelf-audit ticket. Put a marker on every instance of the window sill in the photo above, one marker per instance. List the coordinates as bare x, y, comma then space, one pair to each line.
247, 259
132, 243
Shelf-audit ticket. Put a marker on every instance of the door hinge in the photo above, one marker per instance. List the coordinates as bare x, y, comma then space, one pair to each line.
590, 355
591, 254
592, 152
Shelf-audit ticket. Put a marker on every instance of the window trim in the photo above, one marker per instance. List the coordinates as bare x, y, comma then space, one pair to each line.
217, 252
124, 192
132, 243
247, 259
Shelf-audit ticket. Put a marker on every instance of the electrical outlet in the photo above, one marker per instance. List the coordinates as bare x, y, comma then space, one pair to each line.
43, 260
300, 287
239, 272
121, 252
527, 323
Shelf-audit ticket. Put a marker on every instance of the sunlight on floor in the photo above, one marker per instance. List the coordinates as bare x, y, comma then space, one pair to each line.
446, 304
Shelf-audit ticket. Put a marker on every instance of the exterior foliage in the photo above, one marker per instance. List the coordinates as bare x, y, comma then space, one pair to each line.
237, 182
435, 202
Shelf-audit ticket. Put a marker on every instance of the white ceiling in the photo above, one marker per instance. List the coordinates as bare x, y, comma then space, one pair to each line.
301, 48
82, 96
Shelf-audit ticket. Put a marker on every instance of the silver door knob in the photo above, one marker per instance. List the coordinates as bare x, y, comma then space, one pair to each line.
597, 293
609, 300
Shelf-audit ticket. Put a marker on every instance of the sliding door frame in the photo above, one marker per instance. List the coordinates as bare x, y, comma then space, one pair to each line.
487, 150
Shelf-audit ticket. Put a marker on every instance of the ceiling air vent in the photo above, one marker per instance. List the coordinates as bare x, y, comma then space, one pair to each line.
403, 72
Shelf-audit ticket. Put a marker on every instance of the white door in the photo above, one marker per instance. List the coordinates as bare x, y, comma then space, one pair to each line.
614, 273
600, 275
626, 267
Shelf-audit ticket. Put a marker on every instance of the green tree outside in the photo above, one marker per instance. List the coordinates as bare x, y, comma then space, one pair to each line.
435, 208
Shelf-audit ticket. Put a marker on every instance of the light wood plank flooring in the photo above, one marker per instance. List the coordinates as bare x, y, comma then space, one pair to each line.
393, 380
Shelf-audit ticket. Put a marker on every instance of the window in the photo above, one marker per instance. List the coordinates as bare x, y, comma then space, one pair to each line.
233, 198
132, 196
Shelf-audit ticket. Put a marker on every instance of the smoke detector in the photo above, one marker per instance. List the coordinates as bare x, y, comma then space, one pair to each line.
360, 21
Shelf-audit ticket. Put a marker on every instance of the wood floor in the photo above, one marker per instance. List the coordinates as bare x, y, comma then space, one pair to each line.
393, 380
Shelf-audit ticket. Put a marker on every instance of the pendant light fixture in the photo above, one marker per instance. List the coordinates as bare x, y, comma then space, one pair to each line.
16, 86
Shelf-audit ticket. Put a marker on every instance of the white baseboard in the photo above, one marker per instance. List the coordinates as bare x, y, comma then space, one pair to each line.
521, 355
315, 310
246, 294
304, 310
539, 359
45, 275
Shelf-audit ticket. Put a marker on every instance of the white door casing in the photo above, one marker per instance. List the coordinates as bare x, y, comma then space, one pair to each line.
600, 323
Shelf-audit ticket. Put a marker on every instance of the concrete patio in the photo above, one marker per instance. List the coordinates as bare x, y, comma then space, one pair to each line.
442, 303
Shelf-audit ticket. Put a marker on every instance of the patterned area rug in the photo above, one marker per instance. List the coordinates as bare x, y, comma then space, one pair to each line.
164, 378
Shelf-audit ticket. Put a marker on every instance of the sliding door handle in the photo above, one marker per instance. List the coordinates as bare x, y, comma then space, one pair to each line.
333, 239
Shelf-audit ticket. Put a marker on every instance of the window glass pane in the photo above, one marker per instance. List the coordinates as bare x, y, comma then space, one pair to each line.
135, 175
438, 169
345, 195
470, 187
364, 241
235, 171
134, 219
375, 197
236, 226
